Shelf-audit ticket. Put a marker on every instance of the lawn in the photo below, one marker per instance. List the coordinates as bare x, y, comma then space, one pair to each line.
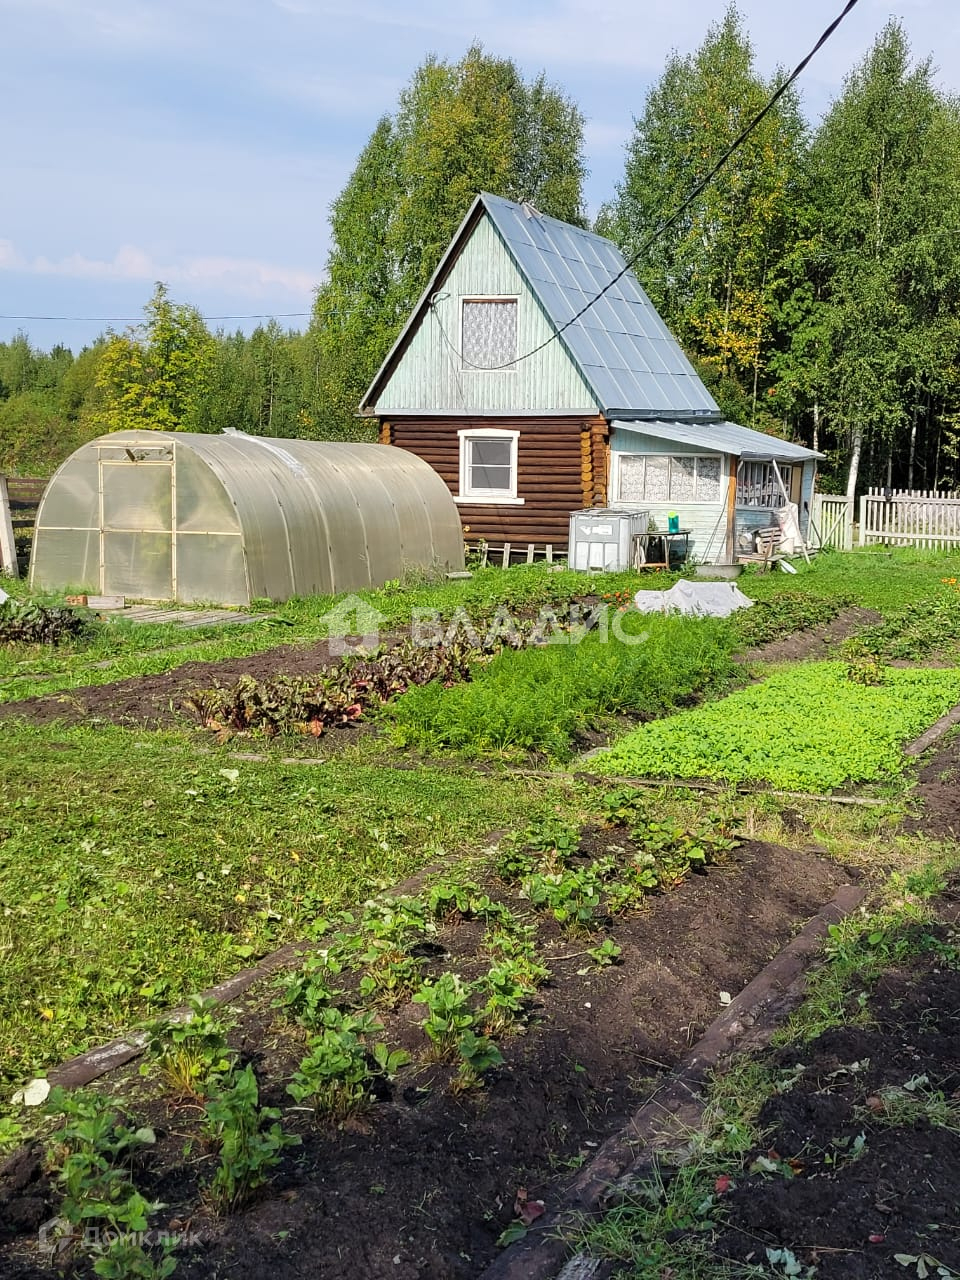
135, 869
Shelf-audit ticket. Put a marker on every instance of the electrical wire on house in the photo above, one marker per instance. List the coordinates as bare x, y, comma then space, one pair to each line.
658, 231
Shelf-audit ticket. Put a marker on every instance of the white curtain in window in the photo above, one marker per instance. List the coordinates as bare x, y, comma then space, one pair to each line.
489, 333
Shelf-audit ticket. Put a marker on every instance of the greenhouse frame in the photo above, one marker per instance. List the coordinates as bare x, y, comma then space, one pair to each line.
227, 519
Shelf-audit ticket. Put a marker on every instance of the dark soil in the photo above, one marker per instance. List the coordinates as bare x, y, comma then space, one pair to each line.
422, 1185
846, 1213
849, 1216
938, 792
816, 642
154, 702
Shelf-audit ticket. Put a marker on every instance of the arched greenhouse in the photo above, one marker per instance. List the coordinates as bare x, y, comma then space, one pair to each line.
230, 518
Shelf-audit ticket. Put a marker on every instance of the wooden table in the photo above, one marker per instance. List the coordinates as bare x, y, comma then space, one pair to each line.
665, 538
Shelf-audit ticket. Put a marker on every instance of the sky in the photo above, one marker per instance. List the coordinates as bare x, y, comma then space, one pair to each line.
201, 142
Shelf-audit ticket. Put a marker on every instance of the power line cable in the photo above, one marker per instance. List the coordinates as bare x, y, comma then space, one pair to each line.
658, 231
280, 315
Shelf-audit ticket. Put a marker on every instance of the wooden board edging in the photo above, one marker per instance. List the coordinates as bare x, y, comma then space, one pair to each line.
665, 1120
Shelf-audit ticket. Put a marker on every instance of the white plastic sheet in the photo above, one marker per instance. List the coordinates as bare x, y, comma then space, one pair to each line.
699, 599
3, 595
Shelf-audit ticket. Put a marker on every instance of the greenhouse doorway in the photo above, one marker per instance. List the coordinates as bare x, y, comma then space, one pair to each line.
137, 503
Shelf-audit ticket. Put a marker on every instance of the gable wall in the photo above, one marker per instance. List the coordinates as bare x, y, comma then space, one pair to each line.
429, 377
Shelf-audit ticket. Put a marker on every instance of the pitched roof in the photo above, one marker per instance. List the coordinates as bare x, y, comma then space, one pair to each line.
623, 350
723, 437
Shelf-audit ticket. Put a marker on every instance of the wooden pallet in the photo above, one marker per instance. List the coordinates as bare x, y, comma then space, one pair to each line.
19, 500
507, 553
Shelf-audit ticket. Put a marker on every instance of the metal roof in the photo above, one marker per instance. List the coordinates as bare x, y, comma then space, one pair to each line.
625, 353
723, 437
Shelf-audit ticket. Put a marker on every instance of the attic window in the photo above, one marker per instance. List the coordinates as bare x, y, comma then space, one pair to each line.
488, 333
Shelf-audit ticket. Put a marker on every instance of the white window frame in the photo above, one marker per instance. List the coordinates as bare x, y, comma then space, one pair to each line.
668, 501
465, 364
499, 497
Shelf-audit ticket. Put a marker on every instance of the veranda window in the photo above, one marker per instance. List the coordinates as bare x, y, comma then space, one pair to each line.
758, 486
675, 478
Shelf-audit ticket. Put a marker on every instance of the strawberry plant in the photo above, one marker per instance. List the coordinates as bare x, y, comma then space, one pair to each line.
449, 1014
785, 614
606, 953
190, 1051
390, 973
477, 1055
551, 843
573, 897
249, 1137
518, 946
638, 879
338, 1073
507, 990
91, 1155
463, 901
623, 807
452, 1026
309, 992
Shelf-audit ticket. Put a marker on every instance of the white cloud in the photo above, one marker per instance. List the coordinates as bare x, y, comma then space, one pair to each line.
240, 276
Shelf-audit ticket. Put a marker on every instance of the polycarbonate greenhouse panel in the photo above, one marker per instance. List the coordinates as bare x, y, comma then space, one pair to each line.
138, 564
229, 518
210, 567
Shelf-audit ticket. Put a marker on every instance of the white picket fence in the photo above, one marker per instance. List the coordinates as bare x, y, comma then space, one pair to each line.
910, 517
831, 522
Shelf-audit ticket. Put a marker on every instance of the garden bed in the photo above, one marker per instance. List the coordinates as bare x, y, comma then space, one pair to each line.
835, 1156
814, 726
423, 1183
864, 1181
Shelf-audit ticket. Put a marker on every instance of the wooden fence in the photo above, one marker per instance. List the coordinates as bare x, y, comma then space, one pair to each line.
831, 522
19, 499
910, 517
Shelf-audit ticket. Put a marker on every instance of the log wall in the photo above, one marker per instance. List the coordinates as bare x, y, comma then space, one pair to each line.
561, 466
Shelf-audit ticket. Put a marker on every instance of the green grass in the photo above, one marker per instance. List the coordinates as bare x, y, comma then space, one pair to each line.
887, 580
808, 728
538, 699
882, 578
135, 870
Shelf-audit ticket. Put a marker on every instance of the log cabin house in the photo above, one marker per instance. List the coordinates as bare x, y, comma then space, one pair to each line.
535, 375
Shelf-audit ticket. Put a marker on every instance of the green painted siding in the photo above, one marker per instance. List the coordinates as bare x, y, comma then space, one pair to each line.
635, 442
430, 377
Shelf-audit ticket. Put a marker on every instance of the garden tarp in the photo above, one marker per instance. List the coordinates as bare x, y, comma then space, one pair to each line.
701, 599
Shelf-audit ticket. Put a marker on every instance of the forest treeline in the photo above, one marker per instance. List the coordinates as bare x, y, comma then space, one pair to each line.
815, 283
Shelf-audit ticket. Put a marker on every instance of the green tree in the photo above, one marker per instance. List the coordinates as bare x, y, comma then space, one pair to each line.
154, 375
716, 275
886, 167
459, 128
